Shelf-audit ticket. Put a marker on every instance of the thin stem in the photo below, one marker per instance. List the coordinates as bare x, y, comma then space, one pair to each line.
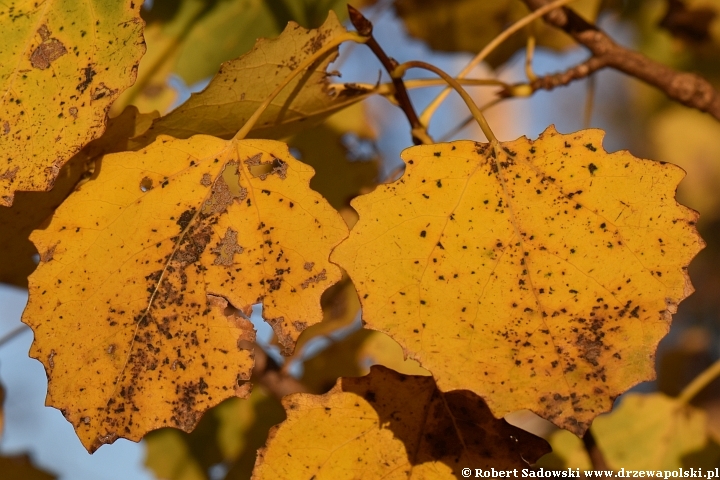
427, 114
447, 136
13, 333
250, 123
365, 28
387, 89
474, 110
700, 382
589, 102
529, 54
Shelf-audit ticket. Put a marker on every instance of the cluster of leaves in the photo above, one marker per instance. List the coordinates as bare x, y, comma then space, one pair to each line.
536, 275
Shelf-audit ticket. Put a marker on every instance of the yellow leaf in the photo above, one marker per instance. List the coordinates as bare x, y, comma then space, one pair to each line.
243, 84
62, 64
30, 209
138, 267
388, 425
650, 432
20, 467
469, 25
540, 277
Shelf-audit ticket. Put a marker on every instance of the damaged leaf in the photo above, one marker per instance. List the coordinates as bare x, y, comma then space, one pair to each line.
541, 276
387, 422
62, 63
131, 309
243, 84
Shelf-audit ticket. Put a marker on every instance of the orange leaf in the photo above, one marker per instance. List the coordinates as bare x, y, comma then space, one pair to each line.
130, 303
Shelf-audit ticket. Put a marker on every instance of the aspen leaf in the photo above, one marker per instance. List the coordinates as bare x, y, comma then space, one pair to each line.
649, 432
388, 425
243, 84
183, 38
30, 209
62, 64
540, 277
139, 266
469, 25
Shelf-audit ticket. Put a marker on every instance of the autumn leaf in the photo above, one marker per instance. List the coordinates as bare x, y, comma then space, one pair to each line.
61, 66
30, 209
182, 39
469, 25
541, 276
243, 84
139, 266
651, 432
387, 422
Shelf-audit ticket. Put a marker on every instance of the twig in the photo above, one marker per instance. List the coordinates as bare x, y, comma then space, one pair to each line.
269, 374
687, 88
597, 460
365, 28
700, 382
487, 50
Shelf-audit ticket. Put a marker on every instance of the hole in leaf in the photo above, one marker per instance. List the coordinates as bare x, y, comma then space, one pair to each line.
146, 184
295, 152
232, 179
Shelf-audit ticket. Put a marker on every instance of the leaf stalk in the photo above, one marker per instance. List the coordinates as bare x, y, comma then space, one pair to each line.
474, 110
334, 43
429, 111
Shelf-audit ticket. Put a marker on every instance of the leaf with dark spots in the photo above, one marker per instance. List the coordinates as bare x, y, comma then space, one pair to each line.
54, 101
152, 273
539, 253
405, 421
235, 93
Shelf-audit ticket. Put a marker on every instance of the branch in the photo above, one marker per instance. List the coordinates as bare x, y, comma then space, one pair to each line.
687, 88
365, 28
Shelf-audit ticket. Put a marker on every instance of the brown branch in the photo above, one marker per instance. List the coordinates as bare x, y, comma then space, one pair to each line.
687, 88
597, 459
269, 374
365, 28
